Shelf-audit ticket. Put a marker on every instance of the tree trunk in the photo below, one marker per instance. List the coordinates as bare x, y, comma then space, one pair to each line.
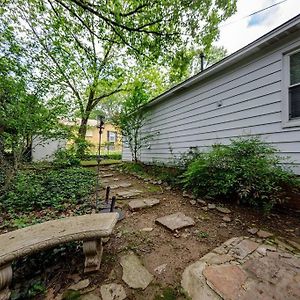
81, 137
83, 128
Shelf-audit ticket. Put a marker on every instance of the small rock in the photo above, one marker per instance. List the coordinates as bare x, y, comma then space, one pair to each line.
202, 202
119, 234
187, 195
211, 206
205, 208
264, 234
252, 230
226, 219
147, 229
160, 269
223, 210
193, 202
112, 291
80, 285
222, 225
105, 240
168, 188
159, 182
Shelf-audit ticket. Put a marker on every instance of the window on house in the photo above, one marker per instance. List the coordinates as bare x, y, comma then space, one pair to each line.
294, 86
112, 136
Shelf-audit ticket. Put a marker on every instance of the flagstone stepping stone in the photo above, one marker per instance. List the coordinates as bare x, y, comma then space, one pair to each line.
264, 234
142, 203
226, 280
264, 273
176, 221
107, 175
223, 210
244, 248
121, 185
134, 273
211, 206
129, 194
112, 291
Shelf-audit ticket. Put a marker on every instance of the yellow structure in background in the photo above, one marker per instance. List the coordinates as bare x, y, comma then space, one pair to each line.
111, 139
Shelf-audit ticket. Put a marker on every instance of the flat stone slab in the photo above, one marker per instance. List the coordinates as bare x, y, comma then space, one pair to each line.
121, 185
106, 175
244, 248
225, 280
260, 271
264, 234
134, 273
129, 194
142, 203
176, 221
112, 291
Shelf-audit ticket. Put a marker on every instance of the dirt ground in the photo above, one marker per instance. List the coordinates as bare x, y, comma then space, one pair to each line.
156, 247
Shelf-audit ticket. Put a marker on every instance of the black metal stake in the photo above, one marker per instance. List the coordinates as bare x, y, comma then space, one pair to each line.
113, 202
107, 194
100, 125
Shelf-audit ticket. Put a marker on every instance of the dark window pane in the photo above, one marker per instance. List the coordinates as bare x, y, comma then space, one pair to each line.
294, 96
295, 68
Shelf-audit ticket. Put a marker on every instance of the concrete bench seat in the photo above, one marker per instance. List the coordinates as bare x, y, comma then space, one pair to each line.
87, 228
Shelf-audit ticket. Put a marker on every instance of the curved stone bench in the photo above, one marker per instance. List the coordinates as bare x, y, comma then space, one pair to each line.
87, 228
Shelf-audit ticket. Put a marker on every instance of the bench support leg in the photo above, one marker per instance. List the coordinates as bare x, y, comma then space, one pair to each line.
93, 254
5, 280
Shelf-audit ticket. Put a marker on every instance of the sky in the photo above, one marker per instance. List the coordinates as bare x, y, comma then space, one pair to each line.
240, 30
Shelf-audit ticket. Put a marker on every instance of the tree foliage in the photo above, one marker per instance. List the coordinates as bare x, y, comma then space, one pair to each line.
131, 119
85, 51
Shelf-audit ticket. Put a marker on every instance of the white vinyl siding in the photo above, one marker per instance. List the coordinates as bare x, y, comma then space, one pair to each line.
243, 101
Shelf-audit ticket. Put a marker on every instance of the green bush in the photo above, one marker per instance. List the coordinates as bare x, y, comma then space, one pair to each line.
247, 170
52, 188
187, 158
66, 158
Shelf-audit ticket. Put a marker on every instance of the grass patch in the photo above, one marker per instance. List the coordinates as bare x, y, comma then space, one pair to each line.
91, 163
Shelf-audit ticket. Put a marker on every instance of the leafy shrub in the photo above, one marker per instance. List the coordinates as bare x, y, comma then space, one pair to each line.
66, 158
52, 188
247, 170
187, 158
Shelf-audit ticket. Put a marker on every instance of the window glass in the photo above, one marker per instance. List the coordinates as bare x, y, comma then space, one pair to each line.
112, 136
294, 95
295, 68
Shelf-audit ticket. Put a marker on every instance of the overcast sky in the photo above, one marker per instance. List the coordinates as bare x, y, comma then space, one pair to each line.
239, 30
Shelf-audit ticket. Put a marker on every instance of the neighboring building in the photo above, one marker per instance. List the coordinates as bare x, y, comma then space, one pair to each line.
254, 91
110, 139
44, 150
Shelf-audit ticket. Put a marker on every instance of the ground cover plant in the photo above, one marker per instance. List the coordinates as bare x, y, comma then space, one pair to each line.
39, 189
247, 170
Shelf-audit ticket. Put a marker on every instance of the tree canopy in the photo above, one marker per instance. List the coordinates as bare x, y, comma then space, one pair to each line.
90, 52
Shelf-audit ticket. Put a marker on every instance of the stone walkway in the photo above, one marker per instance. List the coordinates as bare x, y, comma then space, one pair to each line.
244, 268
259, 267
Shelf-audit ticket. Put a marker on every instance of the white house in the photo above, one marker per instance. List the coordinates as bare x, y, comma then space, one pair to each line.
254, 91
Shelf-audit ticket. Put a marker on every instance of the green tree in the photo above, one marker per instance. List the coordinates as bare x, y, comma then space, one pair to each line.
86, 50
131, 119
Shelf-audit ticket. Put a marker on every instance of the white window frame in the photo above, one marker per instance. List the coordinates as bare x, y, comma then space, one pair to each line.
286, 121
